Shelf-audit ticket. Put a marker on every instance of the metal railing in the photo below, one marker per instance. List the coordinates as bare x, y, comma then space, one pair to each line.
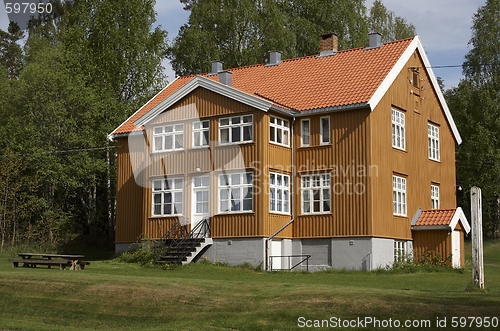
288, 259
175, 232
199, 232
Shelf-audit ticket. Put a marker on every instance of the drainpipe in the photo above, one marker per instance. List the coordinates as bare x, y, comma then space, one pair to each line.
292, 198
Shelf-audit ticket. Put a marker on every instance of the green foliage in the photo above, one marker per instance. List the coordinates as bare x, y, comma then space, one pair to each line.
243, 32
427, 262
144, 256
11, 54
390, 26
475, 105
87, 67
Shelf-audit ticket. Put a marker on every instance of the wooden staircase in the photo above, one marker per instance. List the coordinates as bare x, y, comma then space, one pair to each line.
183, 247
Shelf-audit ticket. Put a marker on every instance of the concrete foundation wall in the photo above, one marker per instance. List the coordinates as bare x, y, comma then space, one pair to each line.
236, 251
382, 252
352, 253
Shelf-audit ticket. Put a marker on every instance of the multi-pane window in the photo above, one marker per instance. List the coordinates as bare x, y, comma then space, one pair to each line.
201, 190
435, 196
279, 131
316, 194
399, 195
305, 133
325, 130
279, 193
167, 197
398, 129
168, 138
236, 192
399, 250
433, 137
201, 133
236, 129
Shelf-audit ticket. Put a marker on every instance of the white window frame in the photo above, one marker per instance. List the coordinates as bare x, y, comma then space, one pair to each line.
236, 124
199, 130
398, 129
161, 188
433, 138
279, 193
280, 129
304, 134
174, 132
328, 133
400, 250
235, 187
399, 195
316, 186
435, 196
201, 184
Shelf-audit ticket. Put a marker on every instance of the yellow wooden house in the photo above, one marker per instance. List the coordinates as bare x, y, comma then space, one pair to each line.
326, 157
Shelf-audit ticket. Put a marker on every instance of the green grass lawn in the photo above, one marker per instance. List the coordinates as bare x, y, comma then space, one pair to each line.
110, 295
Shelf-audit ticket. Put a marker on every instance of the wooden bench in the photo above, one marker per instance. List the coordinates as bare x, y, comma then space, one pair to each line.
31, 260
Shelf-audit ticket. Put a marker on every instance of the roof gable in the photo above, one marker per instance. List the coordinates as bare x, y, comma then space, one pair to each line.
341, 81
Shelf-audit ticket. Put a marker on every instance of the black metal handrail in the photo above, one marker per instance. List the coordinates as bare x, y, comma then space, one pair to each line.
204, 226
305, 258
195, 233
177, 231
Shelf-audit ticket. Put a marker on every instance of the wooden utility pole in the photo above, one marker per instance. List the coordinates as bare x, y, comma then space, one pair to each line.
477, 236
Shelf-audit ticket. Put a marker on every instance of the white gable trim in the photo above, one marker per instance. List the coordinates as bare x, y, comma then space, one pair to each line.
112, 134
400, 64
200, 81
460, 216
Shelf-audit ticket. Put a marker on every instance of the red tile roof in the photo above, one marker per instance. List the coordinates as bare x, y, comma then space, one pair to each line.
347, 78
436, 217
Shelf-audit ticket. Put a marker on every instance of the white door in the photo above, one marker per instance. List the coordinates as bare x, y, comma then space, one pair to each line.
200, 201
276, 251
455, 248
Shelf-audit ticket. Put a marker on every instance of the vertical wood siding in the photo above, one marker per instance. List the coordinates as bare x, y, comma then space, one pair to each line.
204, 104
413, 163
347, 160
436, 242
129, 197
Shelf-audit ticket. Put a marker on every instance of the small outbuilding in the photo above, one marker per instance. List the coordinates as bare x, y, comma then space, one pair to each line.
440, 232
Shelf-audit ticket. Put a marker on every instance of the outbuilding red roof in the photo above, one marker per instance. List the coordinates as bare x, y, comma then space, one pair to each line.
436, 217
349, 77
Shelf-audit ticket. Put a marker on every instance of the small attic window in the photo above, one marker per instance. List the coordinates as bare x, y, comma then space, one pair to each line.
415, 77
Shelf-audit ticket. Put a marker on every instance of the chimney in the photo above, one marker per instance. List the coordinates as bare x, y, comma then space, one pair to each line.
216, 67
375, 40
274, 58
328, 44
226, 78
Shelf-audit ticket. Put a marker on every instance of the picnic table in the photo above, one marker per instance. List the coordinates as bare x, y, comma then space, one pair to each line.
31, 260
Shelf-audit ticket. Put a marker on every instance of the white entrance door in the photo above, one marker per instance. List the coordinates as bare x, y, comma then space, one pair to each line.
455, 248
276, 251
200, 201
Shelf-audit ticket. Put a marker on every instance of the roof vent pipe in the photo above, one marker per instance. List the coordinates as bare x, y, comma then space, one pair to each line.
375, 40
216, 67
274, 58
226, 78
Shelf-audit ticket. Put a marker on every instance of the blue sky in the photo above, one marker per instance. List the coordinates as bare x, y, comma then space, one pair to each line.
444, 27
